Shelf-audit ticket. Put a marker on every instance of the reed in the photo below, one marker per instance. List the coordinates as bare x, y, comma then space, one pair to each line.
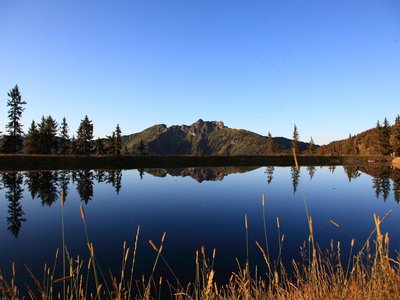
369, 273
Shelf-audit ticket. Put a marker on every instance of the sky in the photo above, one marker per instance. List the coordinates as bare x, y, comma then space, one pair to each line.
331, 67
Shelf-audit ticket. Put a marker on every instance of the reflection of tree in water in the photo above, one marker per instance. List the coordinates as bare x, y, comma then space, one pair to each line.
381, 185
64, 178
99, 176
352, 172
114, 177
43, 185
295, 178
270, 173
84, 184
396, 185
332, 169
141, 173
311, 171
14, 194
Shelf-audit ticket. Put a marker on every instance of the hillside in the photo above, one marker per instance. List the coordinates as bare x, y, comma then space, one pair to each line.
368, 142
203, 138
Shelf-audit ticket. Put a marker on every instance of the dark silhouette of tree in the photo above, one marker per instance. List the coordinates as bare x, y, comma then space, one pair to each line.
43, 185
332, 169
12, 182
110, 144
396, 137
64, 178
48, 187
141, 173
142, 148
295, 142
114, 177
118, 140
270, 144
311, 171
32, 182
48, 135
376, 185
74, 147
64, 137
270, 173
13, 140
114, 142
311, 147
31, 143
84, 184
385, 187
84, 137
99, 176
295, 178
99, 147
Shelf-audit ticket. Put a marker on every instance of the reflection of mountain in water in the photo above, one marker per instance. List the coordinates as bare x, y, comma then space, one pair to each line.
200, 174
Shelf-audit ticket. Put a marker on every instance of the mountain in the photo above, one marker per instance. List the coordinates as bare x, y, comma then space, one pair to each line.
202, 138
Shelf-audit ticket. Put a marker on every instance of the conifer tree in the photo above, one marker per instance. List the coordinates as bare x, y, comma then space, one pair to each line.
48, 135
31, 143
311, 147
99, 147
295, 142
110, 144
117, 141
64, 137
396, 137
13, 141
84, 137
384, 137
270, 144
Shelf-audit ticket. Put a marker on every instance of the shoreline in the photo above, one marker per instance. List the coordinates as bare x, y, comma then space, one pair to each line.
21, 162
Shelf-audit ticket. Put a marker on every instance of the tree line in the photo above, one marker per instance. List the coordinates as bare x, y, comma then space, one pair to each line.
384, 139
49, 137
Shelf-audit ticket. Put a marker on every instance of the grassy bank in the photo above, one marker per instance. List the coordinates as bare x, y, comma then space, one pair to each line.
72, 162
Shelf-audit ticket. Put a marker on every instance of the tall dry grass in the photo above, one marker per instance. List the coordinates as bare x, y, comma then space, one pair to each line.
369, 273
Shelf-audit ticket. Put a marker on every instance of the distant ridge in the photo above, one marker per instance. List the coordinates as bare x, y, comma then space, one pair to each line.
203, 138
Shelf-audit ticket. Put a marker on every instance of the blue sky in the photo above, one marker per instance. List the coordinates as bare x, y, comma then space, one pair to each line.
331, 67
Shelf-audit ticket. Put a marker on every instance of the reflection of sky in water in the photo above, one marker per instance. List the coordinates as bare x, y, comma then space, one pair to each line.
193, 214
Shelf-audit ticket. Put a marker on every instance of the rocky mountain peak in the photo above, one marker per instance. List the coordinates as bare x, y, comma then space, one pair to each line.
203, 127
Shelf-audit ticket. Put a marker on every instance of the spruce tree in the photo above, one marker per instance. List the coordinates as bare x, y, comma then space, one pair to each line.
48, 135
13, 141
32, 142
311, 147
110, 144
396, 137
295, 142
64, 137
270, 144
384, 138
117, 141
84, 137
99, 147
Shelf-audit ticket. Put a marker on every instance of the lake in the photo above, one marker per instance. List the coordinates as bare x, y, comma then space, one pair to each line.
196, 207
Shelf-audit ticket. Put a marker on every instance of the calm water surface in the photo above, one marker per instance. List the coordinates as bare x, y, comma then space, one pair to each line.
195, 206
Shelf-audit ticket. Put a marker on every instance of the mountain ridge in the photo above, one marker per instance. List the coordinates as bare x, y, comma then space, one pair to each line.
202, 138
